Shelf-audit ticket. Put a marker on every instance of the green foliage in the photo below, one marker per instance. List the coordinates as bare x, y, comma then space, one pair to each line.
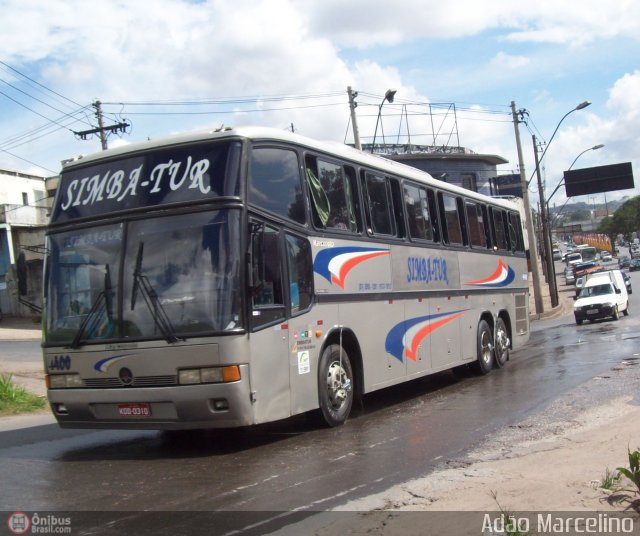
633, 472
610, 480
15, 399
627, 218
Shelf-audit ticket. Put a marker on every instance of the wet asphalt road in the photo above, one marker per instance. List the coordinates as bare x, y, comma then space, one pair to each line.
402, 433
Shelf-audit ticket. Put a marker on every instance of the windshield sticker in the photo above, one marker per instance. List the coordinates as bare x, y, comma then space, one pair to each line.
334, 264
404, 339
500, 278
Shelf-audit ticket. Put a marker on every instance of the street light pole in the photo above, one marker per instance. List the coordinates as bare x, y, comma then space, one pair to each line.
533, 249
388, 96
546, 232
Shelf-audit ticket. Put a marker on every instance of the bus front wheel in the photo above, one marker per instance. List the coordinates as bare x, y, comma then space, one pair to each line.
484, 362
335, 385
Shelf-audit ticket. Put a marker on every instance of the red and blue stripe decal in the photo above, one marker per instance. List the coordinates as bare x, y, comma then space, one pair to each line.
503, 276
334, 264
404, 338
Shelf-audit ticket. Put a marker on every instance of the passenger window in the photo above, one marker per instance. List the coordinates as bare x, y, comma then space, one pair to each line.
418, 216
332, 195
450, 219
274, 182
379, 203
515, 230
475, 222
500, 234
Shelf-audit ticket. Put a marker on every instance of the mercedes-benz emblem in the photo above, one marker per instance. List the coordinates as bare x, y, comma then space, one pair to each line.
126, 376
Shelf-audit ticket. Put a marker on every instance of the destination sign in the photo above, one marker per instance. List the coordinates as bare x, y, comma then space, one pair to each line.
171, 175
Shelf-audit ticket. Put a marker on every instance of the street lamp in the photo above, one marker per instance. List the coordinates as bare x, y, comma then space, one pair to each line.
388, 96
546, 234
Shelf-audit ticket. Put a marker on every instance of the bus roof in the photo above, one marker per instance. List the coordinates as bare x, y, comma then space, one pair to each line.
258, 133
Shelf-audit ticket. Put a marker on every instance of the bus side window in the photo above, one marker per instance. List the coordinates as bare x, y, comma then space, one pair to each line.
379, 205
477, 236
266, 275
450, 219
498, 229
433, 209
332, 195
463, 221
417, 207
300, 269
486, 225
515, 230
274, 182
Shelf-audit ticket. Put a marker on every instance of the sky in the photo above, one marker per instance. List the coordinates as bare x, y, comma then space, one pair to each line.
171, 66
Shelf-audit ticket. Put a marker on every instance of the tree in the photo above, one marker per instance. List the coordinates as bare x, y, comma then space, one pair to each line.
626, 219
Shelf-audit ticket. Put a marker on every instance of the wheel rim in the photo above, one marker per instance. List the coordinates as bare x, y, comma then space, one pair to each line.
502, 343
338, 385
486, 348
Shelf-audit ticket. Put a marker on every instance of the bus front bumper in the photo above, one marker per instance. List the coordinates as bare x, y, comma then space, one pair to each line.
213, 405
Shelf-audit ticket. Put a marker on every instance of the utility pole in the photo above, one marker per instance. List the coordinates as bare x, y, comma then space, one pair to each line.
546, 233
352, 106
533, 250
102, 130
103, 135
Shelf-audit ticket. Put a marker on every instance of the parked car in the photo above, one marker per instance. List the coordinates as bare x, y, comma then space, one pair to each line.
623, 262
557, 255
605, 256
634, 264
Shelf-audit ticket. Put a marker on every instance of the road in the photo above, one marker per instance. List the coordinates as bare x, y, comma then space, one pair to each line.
292, 466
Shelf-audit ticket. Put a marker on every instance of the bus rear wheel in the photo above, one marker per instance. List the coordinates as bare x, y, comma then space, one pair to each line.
335, 385
502, 344
484, 362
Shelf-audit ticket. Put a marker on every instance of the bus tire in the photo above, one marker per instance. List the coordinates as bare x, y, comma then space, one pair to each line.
484, 362
501, 353
335, 385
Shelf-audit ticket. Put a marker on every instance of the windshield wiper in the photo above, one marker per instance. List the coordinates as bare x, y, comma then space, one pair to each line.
158, 313
91, 321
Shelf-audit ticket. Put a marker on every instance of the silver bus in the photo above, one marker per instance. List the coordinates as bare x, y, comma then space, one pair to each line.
239, 276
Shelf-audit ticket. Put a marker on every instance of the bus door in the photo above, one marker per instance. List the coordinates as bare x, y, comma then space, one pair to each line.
269, 366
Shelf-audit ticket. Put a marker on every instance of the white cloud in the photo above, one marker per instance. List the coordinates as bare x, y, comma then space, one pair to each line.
507, 61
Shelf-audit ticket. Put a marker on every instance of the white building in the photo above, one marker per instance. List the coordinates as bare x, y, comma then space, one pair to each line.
24, 208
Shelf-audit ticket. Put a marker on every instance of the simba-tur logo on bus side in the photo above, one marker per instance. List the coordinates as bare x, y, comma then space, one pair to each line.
334, 264
502, 276
405, 338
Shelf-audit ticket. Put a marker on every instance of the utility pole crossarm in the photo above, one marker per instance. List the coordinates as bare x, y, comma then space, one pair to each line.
102, 130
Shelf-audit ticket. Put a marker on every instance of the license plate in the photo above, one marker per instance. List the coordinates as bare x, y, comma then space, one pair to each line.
134, 410
592, 311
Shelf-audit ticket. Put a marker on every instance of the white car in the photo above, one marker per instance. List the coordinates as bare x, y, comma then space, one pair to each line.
605, 256
603, 295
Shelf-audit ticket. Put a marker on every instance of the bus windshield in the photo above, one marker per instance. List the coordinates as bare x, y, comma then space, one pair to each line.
184, 268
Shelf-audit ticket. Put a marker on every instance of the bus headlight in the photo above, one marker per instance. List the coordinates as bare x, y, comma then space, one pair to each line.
63, 381
226, 374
